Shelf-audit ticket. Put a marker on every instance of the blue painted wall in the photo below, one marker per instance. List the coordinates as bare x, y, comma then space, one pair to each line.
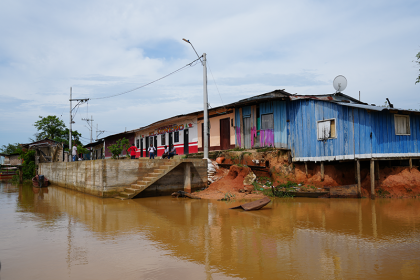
359, 133
277, 137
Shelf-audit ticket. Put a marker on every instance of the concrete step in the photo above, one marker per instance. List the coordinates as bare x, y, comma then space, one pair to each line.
139, 185
126, 194
120, 198
131, 190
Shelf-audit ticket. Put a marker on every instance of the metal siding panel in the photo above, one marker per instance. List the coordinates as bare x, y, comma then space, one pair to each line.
308, 128
318, 117
356, 136
237, 128
413, 127
283, 124
311, 128
246, 111
280, 131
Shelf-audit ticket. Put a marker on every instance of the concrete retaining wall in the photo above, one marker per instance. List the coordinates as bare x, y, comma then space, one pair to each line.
107, 177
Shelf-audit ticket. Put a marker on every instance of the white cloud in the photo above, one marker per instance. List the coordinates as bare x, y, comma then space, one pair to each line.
106, 47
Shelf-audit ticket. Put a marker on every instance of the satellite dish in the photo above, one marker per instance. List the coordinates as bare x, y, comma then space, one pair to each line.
340, 83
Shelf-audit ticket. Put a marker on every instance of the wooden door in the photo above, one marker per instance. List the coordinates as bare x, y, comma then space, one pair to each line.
225, 134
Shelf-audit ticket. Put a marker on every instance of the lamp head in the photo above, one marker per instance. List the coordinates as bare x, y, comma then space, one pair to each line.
188, 41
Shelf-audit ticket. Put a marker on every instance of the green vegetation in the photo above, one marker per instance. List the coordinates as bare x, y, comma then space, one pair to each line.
53, 128
117, 148
228, 196
382, 193
28, 165
263, 150
11, 149
237, 149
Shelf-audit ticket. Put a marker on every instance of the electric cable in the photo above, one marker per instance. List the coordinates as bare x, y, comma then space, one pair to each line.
191, 64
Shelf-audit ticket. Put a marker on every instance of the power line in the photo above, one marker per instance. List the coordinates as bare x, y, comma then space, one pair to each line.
178, 70
215, 84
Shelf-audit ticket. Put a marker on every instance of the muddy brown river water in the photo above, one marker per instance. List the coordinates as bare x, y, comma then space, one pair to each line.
56, 233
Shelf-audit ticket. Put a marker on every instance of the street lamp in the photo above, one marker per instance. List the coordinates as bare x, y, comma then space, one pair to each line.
205, 103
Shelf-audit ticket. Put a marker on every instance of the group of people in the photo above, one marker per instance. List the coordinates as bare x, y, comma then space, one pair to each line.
152, 152
133, 149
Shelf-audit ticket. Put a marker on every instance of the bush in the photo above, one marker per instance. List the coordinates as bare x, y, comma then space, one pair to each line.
28, 165
117, 148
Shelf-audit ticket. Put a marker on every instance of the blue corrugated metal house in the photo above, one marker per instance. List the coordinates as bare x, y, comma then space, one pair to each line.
326, 127
327, 131
261, 121
331, 127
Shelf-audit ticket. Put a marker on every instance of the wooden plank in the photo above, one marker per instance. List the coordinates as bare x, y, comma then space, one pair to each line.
254, 205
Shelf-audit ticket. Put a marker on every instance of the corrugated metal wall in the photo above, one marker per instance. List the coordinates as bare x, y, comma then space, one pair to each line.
359, 133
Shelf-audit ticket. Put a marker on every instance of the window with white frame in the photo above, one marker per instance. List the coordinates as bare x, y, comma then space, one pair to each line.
326, 129
402, 124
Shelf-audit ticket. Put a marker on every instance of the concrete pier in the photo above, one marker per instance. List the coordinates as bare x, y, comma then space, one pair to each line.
109, 177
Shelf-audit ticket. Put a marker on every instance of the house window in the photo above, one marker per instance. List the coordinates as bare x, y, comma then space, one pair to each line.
176, 136
162, 140
267, 121
402, 124
326, 129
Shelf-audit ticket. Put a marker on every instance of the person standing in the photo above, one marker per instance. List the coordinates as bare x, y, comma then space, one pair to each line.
151, 151
132, 150
74, 152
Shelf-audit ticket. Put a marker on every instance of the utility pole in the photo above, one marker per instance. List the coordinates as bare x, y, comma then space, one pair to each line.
205, 103
71, 120
206, 114
98, 132
90, 126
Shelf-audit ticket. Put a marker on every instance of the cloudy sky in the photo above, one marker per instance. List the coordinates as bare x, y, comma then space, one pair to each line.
101, 48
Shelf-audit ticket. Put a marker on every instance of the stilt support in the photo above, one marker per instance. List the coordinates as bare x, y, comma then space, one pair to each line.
359, 180
187, 177
322, 171
411, 163
306, 169
372, 179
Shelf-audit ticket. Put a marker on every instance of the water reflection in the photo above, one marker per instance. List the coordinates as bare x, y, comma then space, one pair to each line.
290, 238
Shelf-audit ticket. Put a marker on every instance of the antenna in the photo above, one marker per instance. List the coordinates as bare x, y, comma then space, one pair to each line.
340, 83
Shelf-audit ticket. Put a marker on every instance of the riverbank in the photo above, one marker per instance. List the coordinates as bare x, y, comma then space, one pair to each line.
275, 170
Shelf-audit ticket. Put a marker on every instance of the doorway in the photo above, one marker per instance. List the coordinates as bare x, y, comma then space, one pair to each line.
147, 146
171, 141
225, 134
141, 147
186, 142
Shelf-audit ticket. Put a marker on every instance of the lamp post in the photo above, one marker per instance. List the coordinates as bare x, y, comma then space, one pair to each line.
205, 103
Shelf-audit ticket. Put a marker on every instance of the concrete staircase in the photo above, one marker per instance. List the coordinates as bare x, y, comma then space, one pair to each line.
153, 175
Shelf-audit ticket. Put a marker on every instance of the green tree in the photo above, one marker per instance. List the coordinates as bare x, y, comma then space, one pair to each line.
53, 128
49, 127
418, 62
117, 148
28, 165
11, 148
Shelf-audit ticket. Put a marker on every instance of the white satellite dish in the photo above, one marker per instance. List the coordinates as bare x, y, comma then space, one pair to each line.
340, 83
